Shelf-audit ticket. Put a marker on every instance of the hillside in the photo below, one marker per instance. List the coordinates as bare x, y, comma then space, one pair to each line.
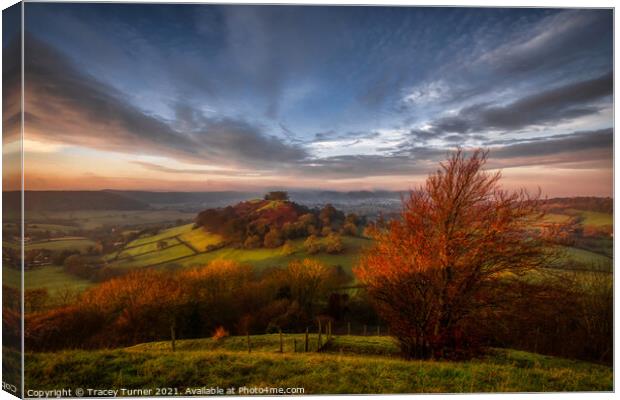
349, 364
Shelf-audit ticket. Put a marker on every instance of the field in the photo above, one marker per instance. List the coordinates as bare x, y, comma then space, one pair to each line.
52, 228
262, 258
168, 233
144, 251
168, 254
589, 259
347, 365
66, 243
98, 218
51, 277
593, 218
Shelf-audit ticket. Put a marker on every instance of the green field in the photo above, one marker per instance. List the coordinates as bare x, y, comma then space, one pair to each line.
166, 255
168, 233
347, 365
262, 257
148, 247
98, 218
68, 243
589, 259
51, 277
53, 228
199, 239
593, 218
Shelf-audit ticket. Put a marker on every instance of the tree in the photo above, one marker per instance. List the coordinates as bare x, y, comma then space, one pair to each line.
350, 229
333, 244
277, 195
312, 244
273, 238
436, 273
288, 248
252, 242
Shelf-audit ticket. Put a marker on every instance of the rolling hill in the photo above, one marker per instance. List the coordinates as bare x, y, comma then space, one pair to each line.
348, 364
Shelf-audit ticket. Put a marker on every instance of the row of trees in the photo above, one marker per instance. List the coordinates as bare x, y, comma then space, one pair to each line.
142, 306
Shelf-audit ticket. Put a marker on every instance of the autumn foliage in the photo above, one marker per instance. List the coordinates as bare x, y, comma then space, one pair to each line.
208, 301
443, 268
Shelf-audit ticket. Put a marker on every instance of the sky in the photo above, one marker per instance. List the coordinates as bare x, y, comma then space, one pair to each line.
205, 97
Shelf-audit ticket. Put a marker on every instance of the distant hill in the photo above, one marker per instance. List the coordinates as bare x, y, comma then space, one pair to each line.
253, 217
274, 219
71, 201
598, 204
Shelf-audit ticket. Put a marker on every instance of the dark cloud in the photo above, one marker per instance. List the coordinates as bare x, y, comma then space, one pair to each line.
569, 143
563, 103
554, 42
572, 150
70, 107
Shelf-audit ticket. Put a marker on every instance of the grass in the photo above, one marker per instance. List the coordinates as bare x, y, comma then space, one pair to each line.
53, 228
589, 259
168, 254
51, 277
262, 257
68, 243
556, 218
168, 233
594, 218
97, 218
199, 239
147, 248
226, 363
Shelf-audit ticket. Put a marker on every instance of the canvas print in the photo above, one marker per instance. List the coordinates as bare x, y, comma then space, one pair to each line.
204, 199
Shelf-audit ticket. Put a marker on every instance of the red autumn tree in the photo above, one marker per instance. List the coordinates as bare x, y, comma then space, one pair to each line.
445, 265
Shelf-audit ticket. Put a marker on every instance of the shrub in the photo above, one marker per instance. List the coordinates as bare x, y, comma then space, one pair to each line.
273, 238
334, 244
220, 333
312, 244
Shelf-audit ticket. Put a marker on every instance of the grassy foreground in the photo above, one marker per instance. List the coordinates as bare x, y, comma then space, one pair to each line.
349, 365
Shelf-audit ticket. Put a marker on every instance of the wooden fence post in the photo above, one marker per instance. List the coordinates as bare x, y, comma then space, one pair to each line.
364, 330
378, 330
173, 337
281, 344
320, 336
306, 347
294, 345
348, 328
249, 346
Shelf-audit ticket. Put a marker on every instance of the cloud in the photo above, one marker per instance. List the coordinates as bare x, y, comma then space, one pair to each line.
196, 171
555, 105
68, 106
560, 144
554, 41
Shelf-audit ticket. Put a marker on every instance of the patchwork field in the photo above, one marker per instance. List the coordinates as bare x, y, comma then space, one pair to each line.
98, 218
51, 277
262, 258
149, 247
588, 259
168, 233
347, 365
154, 258
67, 243
593, 218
